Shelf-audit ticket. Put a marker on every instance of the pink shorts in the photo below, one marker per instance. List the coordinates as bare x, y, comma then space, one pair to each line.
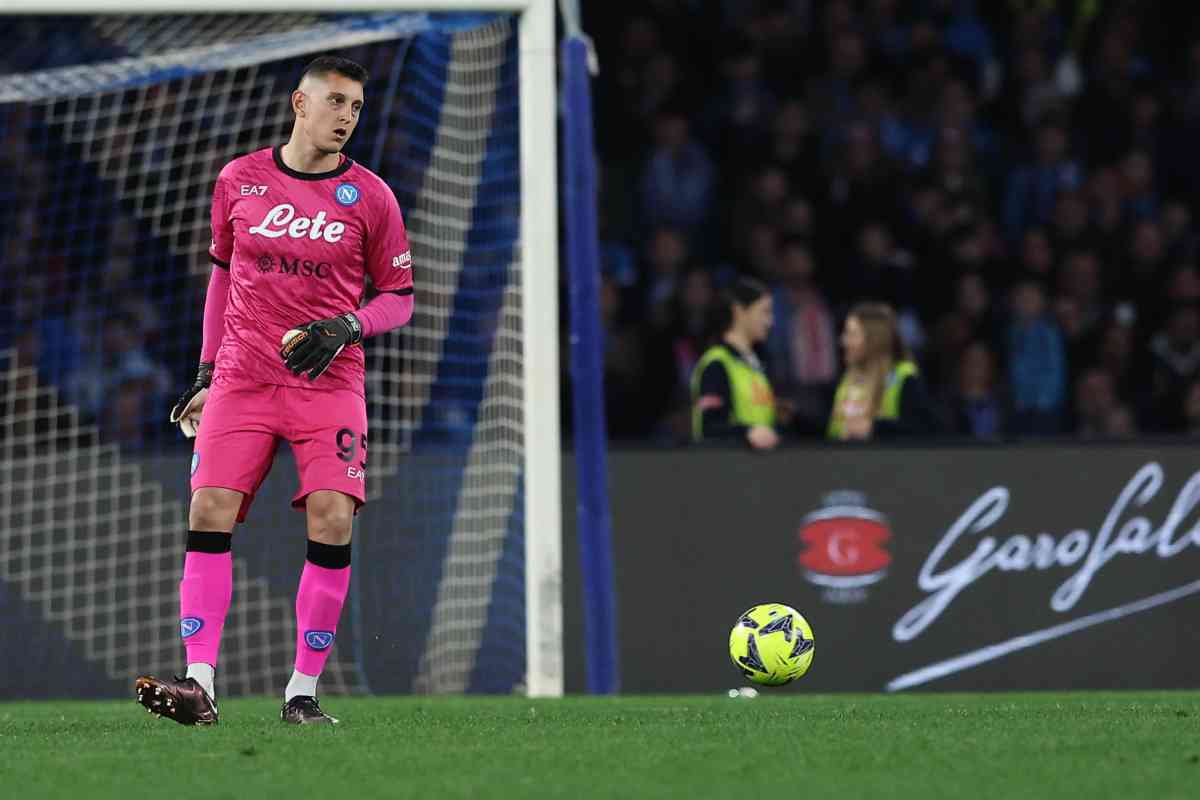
242, 425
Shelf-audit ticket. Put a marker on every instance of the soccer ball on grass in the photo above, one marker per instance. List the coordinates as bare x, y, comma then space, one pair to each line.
772, 644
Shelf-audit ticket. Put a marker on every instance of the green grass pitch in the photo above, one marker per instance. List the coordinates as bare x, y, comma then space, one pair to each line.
784, 744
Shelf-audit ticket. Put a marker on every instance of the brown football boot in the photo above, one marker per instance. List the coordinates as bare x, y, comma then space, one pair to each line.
304, 710
182, 699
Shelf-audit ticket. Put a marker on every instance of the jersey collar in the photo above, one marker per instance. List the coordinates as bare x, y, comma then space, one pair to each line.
340, 169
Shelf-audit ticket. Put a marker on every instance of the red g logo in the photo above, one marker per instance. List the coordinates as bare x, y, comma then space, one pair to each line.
843, 547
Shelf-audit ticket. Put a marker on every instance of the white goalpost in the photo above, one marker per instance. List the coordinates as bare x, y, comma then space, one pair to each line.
500, 477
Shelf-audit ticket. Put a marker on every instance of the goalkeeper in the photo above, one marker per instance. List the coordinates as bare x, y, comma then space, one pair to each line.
296, 229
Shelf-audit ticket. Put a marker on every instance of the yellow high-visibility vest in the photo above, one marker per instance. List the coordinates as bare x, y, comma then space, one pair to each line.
753, 400
889, 406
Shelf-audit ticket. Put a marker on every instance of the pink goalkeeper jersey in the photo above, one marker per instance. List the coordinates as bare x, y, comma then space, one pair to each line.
298, 247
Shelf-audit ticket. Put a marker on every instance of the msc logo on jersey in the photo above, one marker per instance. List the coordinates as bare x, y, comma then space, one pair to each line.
299, 267
319, 640
346, 194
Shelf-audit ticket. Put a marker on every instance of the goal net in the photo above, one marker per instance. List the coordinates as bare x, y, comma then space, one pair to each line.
112, 131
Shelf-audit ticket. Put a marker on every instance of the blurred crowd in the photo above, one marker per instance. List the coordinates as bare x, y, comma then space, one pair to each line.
89, 295
1013, 177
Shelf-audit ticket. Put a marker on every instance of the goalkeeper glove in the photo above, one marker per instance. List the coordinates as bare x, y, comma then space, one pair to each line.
311, 347
187, 409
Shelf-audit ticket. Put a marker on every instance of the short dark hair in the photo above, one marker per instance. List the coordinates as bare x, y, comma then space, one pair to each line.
323, 65
743, 291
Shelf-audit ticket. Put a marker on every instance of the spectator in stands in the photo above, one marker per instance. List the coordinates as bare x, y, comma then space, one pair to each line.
760, 251
971, 319
1179, 235
831, 94
1143, 273
122, 387
1099, 413
1115, 354
965, 35
1033, 188
1174, 362
796, 221
861, 185
867, 130
666, 259
1070, 227
677, 185
792, 145
675, 348
1080, 280
953, 171
975, 407
1031, 91
802, 346
882, 269
629, 407
881, 394
732, 400
690, 317
762, 194
1106, 208
742, 102
1037, 364
1037, 256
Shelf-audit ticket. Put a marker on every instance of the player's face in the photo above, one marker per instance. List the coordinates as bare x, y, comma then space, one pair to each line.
854, 341
330, 110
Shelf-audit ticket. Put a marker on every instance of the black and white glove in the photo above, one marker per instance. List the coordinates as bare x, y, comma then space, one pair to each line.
187, 409
311, 347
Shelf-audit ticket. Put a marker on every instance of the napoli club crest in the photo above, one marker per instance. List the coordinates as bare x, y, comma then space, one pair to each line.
843, 547
319, 640
346, 194
190, 626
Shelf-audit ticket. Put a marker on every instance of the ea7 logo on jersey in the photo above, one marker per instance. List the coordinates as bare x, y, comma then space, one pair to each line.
282, 220
402, 261
256, 191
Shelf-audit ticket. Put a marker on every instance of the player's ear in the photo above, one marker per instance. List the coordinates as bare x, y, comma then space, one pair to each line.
298, 102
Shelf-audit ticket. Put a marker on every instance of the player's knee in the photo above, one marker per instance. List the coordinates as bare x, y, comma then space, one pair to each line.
214, 509
330, 517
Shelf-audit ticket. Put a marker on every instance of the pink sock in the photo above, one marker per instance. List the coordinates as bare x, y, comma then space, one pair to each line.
204, 595
318, 606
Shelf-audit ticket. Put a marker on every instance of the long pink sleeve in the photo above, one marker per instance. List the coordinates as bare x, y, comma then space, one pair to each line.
214, 313
385, 312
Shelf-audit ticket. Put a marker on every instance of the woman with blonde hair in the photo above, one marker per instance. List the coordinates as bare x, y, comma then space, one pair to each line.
881, 394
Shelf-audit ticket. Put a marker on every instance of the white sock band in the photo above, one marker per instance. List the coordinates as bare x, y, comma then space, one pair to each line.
300, 685
203, 673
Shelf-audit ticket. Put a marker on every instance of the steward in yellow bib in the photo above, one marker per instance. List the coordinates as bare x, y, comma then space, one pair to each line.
731, 396
881, 394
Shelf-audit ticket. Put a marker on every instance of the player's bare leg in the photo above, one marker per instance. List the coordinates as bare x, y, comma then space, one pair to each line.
323, 587
204, 596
